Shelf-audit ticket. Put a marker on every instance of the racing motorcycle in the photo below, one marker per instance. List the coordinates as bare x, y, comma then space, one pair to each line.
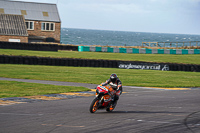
103, 99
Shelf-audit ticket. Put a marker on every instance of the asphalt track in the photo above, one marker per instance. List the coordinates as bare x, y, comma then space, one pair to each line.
139, 110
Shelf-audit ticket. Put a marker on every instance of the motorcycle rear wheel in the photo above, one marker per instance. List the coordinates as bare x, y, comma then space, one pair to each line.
111, 107
94, 105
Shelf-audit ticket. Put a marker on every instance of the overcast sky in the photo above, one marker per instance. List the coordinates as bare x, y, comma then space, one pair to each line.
159, 16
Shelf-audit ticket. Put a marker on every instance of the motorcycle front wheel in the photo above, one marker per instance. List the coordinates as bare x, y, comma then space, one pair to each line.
94, 105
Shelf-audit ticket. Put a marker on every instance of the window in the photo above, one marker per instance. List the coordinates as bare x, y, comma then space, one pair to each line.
45, 14
23, 12
48, 26
2, 10
30, 25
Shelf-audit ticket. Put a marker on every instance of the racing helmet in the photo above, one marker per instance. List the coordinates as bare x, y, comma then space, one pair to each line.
113, 77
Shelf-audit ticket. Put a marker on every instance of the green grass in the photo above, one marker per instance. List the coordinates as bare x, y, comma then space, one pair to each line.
167, 58
19, 89
130, 77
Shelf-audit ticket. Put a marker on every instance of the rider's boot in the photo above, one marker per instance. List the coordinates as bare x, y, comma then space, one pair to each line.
114, 100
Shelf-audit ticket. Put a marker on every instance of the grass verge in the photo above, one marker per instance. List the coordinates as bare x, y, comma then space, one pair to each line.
129, 77
167, 58
19, 89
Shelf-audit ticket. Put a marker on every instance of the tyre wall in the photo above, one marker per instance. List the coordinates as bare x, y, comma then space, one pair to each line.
36, 46
32, 60
67, 47
29, 46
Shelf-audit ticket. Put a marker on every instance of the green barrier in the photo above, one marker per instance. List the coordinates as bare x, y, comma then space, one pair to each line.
184, 51
122, 50
86, 48
98, 49
135, 51
148, 51
160, 51
109, 49
83, 48
80, 48
138, 51
196, 51
172, 51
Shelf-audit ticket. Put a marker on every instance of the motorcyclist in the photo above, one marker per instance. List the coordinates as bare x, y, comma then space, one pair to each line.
116, 84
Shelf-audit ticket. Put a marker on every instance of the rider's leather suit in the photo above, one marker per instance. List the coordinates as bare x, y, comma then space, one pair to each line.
116, 86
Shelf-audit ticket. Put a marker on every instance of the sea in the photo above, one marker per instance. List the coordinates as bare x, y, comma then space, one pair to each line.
123, 38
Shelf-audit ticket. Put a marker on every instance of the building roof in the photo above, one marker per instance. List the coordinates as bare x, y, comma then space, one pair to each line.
31, 10
12, 25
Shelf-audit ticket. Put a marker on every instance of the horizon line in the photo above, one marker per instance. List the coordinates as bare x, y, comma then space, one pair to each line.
133, 31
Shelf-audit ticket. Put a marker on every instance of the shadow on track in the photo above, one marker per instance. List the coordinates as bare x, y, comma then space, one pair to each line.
142, 112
